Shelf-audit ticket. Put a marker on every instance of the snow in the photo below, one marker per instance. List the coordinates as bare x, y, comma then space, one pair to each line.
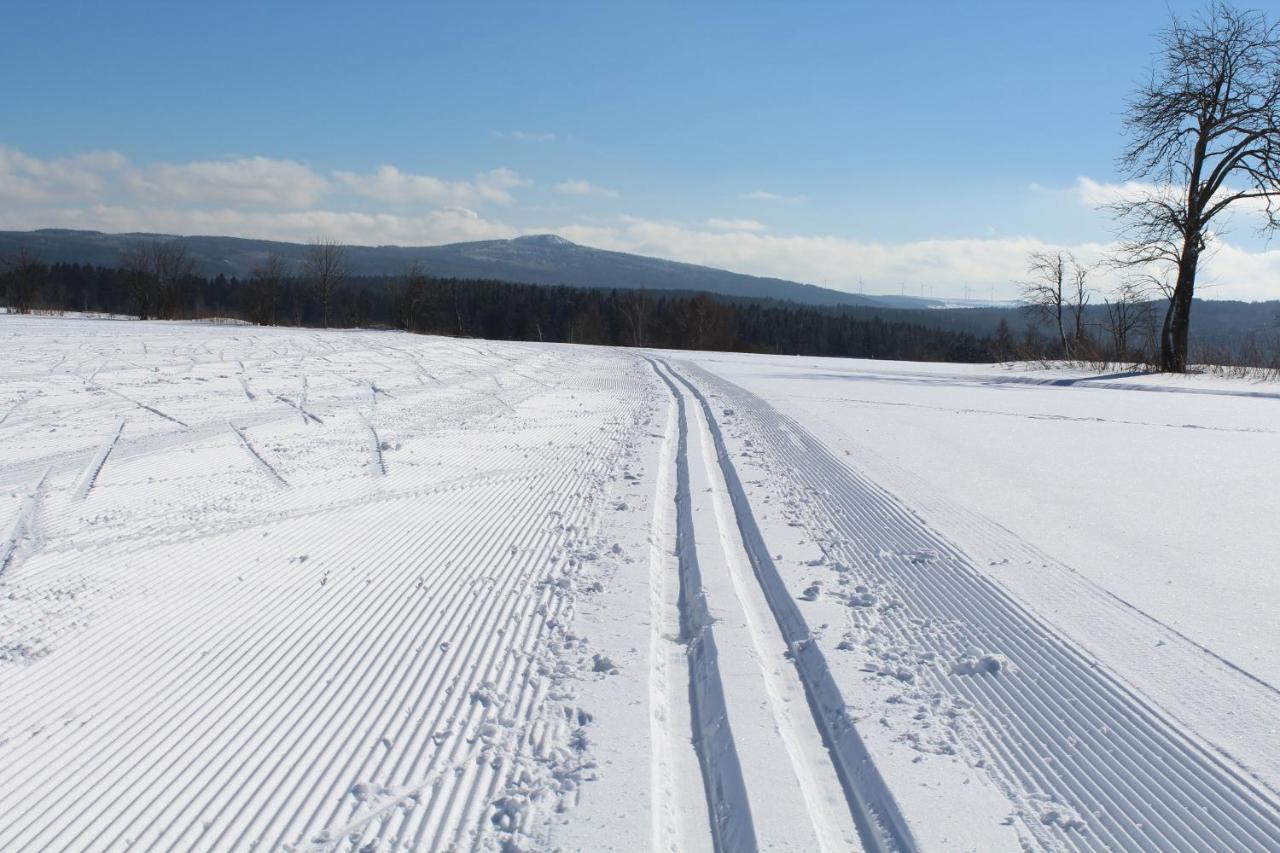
293, 589
1177, 488
1069, 495
303, 614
